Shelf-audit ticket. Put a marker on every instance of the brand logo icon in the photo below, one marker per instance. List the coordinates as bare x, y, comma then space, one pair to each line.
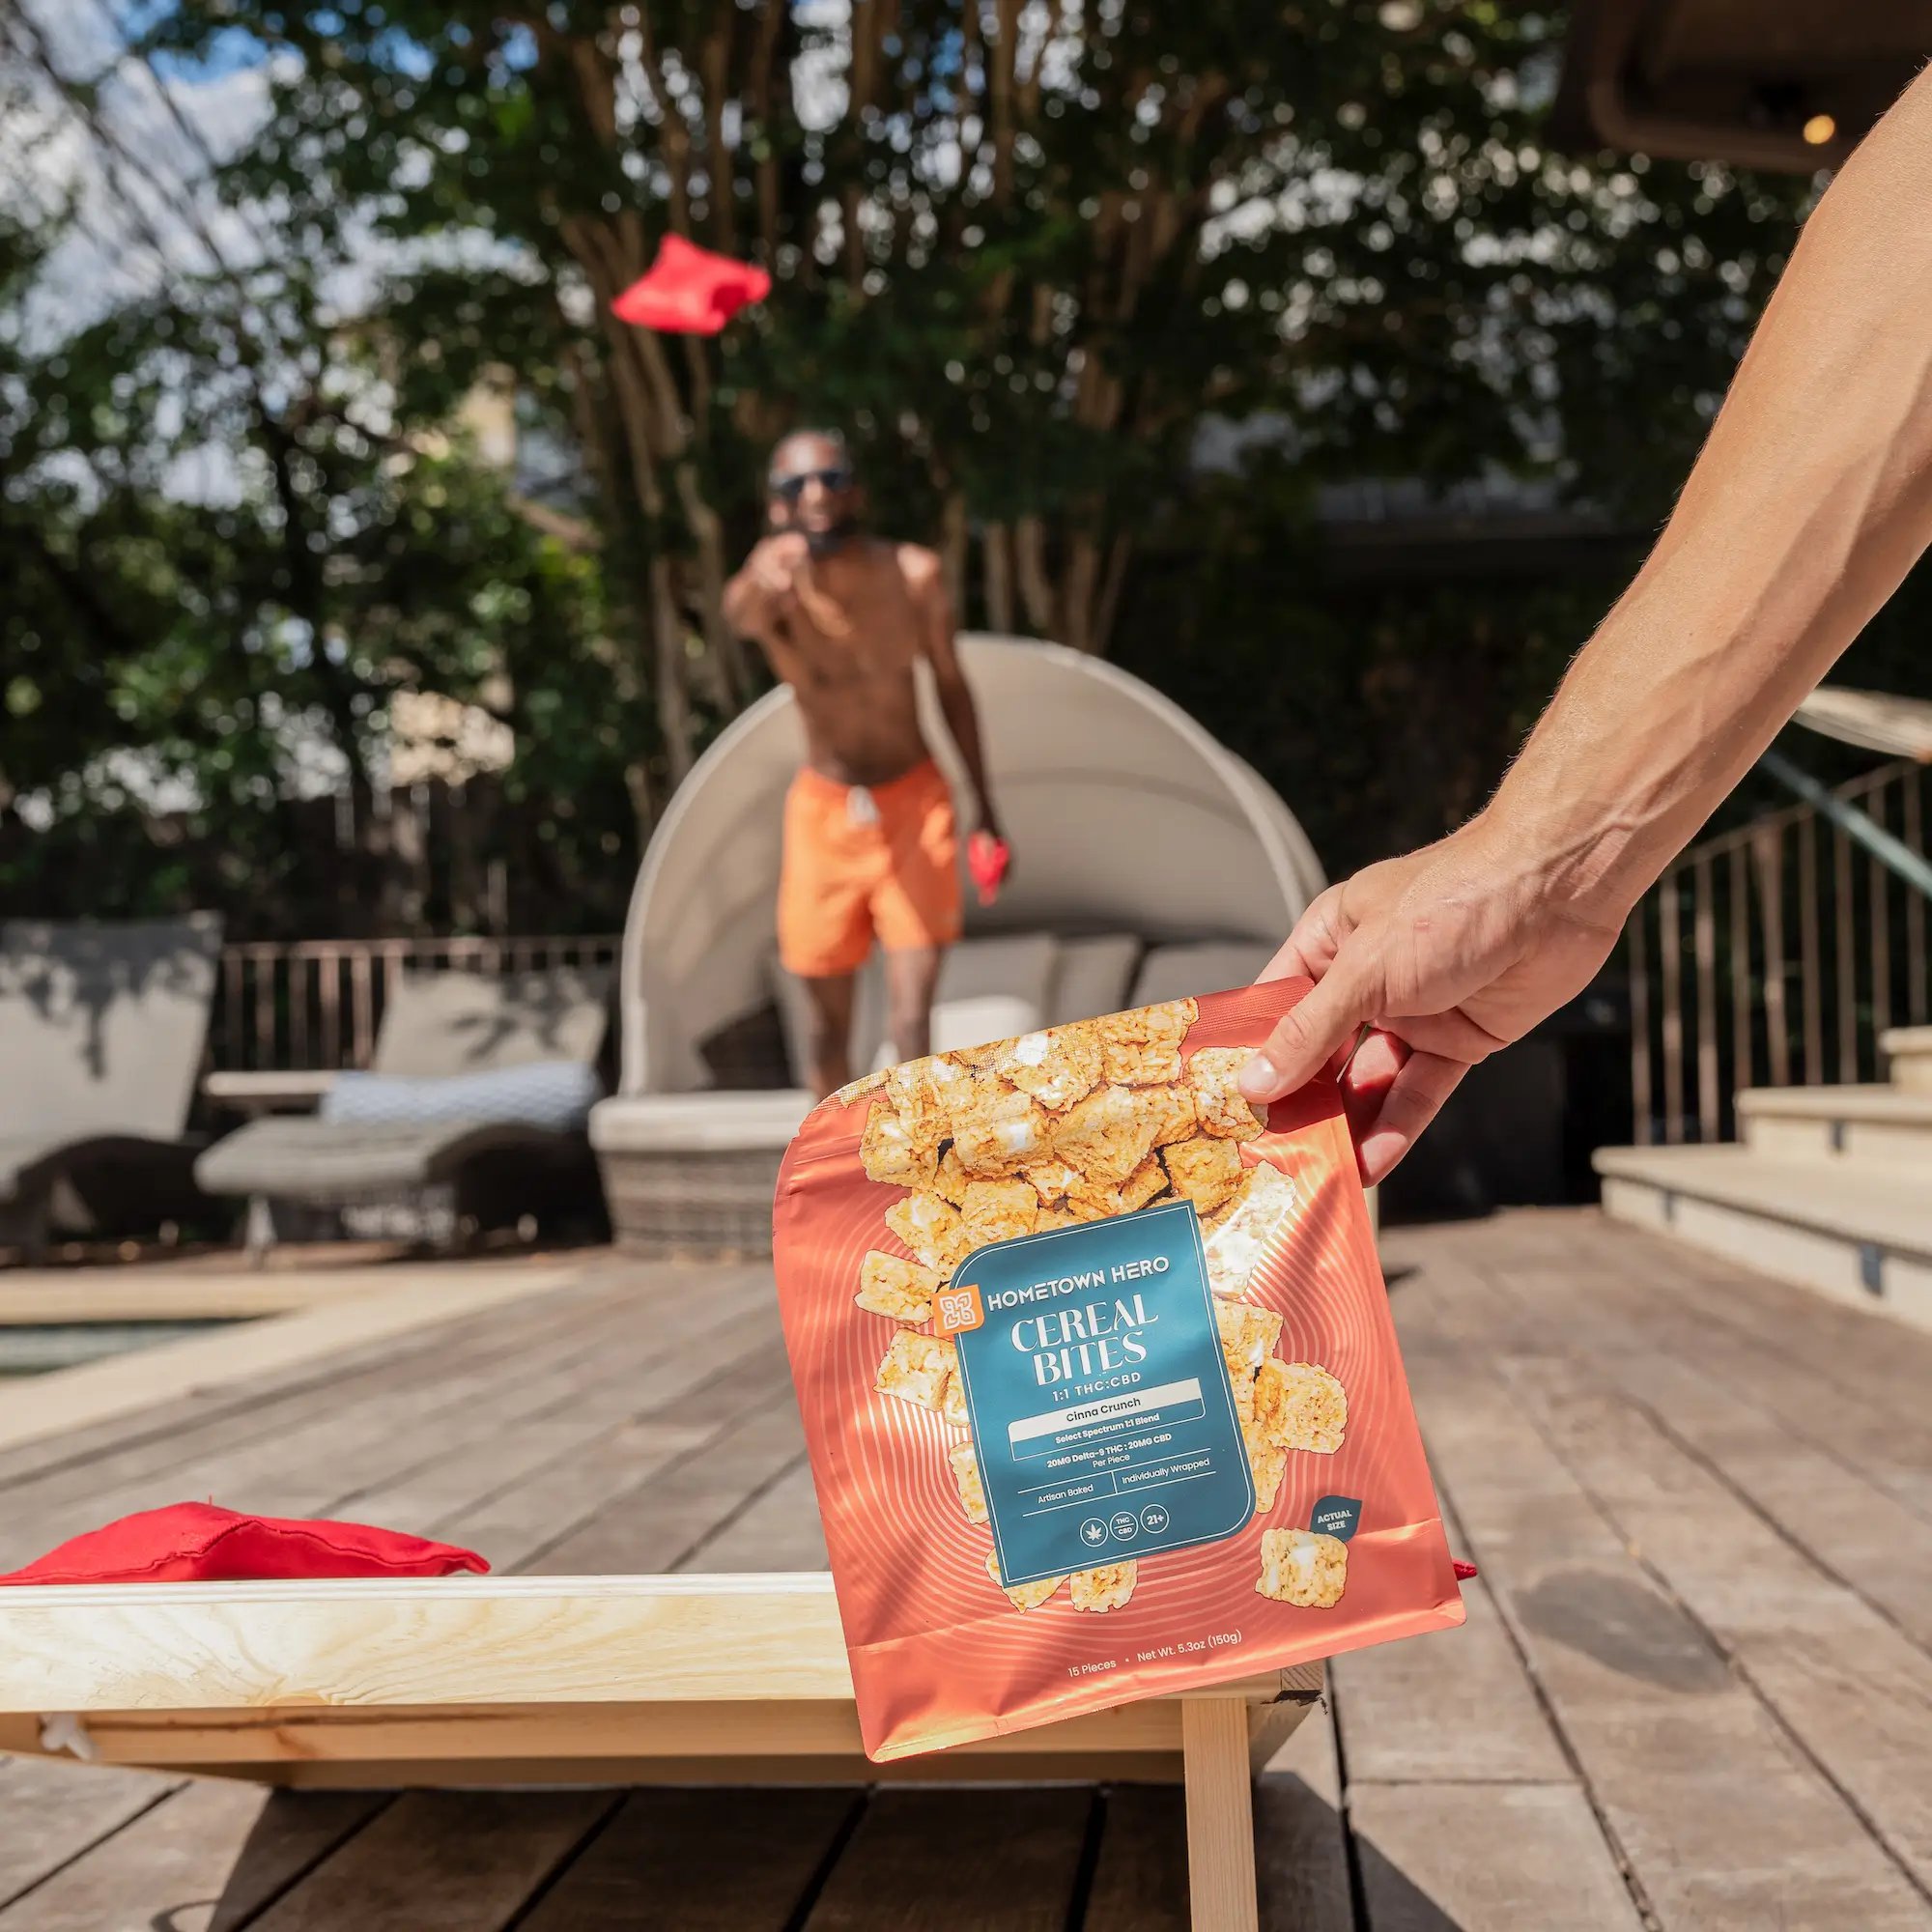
958, 1308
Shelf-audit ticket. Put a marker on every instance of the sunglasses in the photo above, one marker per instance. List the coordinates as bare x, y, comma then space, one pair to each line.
789, 489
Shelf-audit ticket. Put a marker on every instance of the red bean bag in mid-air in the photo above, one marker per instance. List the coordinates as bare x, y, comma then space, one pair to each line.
688, 291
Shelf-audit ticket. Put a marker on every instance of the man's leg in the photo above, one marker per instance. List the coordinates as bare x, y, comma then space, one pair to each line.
829, 1041
911, 974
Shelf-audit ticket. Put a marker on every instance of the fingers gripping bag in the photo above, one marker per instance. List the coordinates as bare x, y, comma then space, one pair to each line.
1098, 1377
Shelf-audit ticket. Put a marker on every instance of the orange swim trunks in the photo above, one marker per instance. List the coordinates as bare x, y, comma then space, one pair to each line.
861, 860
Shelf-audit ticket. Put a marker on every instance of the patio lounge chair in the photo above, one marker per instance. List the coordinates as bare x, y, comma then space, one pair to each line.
1151, 861
101, 1033
471, 1115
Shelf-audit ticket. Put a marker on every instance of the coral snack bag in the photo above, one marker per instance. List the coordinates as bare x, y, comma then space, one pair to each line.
1099, 1376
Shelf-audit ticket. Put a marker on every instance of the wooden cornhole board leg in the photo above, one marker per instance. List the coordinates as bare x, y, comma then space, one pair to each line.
1215, 1738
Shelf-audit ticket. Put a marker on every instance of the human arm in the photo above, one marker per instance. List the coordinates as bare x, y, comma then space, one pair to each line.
756, 600
1811, 499
939, 641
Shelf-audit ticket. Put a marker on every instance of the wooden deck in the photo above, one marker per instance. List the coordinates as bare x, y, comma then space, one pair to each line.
1694, 1689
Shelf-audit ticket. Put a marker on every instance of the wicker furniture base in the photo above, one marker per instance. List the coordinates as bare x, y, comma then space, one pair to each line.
712, 1204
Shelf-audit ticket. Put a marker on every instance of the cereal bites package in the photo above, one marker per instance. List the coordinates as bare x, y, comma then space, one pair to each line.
1098, 1377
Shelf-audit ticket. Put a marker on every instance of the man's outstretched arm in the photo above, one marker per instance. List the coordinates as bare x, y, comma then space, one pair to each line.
1811, 499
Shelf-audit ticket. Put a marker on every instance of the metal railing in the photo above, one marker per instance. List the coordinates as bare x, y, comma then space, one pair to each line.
317, 1002
1775, 955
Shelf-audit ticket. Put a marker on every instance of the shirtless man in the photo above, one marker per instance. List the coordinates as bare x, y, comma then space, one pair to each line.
870, 842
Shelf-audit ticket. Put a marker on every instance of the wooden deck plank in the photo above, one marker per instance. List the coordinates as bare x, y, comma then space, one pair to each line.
1301, 1849
50, 1813
959, 1862
1459, 1705
205, 1860
778, 1529
700, 1862
652, 1527
314, 1469
359, 1408
1850, 1687
442, 1861
1720, 1820
1140, 1877
1485, 1858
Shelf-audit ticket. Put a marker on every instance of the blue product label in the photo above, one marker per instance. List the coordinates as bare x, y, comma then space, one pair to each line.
1100, 1409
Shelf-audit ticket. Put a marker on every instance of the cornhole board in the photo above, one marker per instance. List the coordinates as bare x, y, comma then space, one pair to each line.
580, 1680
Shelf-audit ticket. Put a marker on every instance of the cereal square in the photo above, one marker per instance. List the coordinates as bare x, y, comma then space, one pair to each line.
1301, 1406
899, 1289
983, 1055
891, 1152
1057, 1068
1025, 1595
966, 1473
999, 1210
1093, 1202
1219, 1103
1173, 1110
1303, 1567
1238, 1238
1106, 1136
950, 1180
1142, 1047
916, 1369
1106, 1589
1055, 1217
999, 1129
1053, 1180
930, 1225
1248, 1334
1207, 1171
1266, 1463
952, 1397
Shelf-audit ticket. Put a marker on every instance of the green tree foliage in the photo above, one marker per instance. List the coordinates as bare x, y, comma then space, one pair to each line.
1029, 253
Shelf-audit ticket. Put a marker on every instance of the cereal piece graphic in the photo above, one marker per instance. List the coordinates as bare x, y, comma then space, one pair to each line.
1106, 1589
1142, 1047
998, 1210
953, 1398
1056, 1217
1219, 1105
983, 1055
1301, 1406
857, 1090
916, 1369
951, 1182
1025, 1595
1207, 1171
1106, 1136
966, 1473
1240, 1233
1146, 1183
1303, 1567
930, 1225
999, 1130
1248, 1334
1266, 1464
1173, 1110
890, 1151
1057, 1068
899, 1289
1053, 1180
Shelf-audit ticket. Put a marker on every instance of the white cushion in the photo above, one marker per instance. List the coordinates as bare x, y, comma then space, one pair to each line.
1208, 966
1092, 976
699, 1122
988, 988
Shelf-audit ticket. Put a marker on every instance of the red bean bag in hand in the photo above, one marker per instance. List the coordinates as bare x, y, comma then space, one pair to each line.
197, 1543
688, 291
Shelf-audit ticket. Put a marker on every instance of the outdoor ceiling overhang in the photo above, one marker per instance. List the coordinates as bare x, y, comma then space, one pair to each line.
1791, 84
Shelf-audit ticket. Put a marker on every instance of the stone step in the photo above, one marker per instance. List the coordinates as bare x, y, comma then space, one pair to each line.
1884, 1126
1857, 1233
1908, 1050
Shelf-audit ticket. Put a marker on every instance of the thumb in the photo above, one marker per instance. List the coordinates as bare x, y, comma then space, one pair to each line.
1309, 1033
